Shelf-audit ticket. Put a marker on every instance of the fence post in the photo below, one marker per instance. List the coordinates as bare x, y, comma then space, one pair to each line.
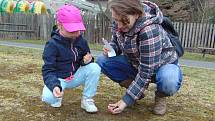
213, 37
1, 18
44, 25
210, 39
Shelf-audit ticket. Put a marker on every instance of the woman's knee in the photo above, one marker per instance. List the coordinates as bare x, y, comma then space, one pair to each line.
168, 79
101, 59
168, 87
93, 68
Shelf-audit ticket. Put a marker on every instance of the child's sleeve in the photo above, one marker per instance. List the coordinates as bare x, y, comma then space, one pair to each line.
49, 67
83, 49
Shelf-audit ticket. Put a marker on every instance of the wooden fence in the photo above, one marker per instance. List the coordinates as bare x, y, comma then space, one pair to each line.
97, 27
25, 26
196, 35
28, 26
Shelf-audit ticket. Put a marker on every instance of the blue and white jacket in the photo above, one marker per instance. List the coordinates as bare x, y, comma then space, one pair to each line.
62, 58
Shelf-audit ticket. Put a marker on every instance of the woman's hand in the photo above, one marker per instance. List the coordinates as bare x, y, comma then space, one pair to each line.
87, 58
105, 51
117, 107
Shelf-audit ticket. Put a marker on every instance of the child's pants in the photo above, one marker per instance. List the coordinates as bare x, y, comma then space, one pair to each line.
86, 75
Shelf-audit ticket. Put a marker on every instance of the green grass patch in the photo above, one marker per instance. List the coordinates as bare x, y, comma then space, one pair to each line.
96, 46
92, 46
22, 84
99, 47
39, 42
198, 57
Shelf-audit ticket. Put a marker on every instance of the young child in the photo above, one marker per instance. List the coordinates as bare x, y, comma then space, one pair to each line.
68, 62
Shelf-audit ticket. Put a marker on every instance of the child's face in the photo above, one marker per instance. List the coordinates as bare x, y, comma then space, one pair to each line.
64, 33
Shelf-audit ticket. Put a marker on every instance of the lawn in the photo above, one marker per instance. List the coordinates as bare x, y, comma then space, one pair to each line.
42, 42
21, 86
98, 47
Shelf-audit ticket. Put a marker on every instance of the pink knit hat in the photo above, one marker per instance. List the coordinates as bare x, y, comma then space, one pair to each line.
70, 17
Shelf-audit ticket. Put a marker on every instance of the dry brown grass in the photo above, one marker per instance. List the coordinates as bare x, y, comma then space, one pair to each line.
21, 87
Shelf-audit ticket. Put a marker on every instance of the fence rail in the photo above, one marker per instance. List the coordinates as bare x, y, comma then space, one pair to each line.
13, 24
25, 26
194, 35
28, 26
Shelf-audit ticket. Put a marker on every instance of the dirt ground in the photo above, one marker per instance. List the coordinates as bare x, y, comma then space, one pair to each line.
21, 86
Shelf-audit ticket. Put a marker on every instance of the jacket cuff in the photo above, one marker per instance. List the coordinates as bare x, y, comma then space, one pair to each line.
52, 86
83, 64
59, 87
128, 99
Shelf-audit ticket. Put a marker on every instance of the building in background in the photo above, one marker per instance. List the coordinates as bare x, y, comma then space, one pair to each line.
84, 5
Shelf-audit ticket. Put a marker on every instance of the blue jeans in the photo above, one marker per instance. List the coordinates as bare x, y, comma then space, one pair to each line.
86, 75
168, 77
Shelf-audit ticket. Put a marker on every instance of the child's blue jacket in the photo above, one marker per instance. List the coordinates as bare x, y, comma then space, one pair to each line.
62, 57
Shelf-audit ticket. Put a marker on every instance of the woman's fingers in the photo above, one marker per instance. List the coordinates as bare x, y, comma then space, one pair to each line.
105, 51
117, 107
116, 110
111, 106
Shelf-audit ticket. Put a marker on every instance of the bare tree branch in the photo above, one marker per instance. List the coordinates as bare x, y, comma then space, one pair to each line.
100, 7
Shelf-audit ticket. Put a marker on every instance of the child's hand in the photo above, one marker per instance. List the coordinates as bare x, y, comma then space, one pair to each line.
57, 93
87, 58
